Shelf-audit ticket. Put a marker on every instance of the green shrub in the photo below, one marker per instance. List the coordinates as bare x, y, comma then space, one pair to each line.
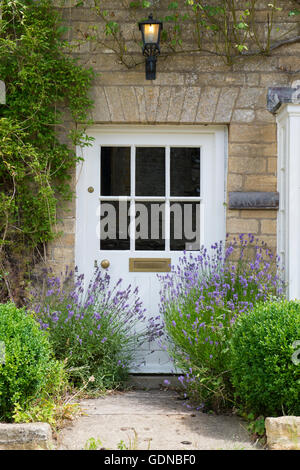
266, 379
28, 369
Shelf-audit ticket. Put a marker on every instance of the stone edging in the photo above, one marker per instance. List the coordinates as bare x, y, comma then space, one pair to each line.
25, 436
283, 433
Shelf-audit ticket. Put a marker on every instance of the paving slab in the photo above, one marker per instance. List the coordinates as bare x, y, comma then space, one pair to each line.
160, 420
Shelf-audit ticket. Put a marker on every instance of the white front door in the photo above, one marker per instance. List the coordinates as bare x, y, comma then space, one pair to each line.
144, 195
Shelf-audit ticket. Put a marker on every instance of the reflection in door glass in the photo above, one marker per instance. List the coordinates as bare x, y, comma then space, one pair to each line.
185, 171
150, 171
114, 225
185, 226
115, 171
150, 226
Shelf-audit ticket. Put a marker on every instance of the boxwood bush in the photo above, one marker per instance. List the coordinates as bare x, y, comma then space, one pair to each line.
27, 367
266, 379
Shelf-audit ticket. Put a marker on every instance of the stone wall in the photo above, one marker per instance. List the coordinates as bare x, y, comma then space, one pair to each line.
192, 89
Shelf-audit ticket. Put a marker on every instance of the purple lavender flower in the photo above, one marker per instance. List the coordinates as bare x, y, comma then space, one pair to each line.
206, 292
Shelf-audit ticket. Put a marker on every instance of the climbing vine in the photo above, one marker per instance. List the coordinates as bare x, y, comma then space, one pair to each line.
230, 29
43, 83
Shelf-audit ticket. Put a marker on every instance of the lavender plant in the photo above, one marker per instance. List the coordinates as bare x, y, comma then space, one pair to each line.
200, 301
94, 329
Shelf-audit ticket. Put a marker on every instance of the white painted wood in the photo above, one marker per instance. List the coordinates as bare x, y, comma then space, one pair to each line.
212, 141
288, 120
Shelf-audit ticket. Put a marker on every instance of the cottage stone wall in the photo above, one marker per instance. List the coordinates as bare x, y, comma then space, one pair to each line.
192, 89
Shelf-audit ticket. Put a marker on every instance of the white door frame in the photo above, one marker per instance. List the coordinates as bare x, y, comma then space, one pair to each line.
288, 232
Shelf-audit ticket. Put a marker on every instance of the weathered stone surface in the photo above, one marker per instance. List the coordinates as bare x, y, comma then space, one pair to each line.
163, 104
252, 97
264, 183
129, 104
226, 104
160, 421
151, 94
207, 105
176, 104
252, 133
269, 226
139, 91
29, 436
234, 182
247, 165
100, 111
190, 104
253, 200
243, 115
237, 225
283, 433
279, 95
114, 103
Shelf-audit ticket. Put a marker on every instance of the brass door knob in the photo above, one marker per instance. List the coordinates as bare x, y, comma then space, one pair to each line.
105, 263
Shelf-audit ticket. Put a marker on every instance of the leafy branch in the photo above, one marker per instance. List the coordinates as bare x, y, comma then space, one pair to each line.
42, 83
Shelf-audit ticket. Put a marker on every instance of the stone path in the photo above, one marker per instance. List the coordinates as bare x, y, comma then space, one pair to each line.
160, 421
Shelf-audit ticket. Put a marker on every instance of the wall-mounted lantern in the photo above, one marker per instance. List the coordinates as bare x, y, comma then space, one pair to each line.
151, 30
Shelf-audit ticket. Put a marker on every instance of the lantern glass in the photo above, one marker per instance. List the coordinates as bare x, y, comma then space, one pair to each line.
151, 33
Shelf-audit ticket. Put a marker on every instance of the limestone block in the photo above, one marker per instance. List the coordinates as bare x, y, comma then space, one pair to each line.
269, 227
226, 104
25, 436
243, 115
283, 433
190, 104
237, 225
208, 103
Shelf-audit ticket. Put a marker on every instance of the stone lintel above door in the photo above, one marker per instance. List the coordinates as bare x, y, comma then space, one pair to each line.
172, 104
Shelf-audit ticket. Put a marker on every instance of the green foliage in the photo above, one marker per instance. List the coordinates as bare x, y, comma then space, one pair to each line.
92, 444
256, 426
93, 330
266, 380
52, 410
29, 370
294, 12
201, 300
42, 82
42, 412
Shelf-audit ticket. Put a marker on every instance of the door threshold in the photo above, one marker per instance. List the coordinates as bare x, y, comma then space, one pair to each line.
154, 381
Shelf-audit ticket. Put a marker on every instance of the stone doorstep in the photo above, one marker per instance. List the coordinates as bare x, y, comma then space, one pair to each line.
154, 381
283, 433
25, 436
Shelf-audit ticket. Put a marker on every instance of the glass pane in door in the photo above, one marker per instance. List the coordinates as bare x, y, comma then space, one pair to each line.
184, 226
115, 171
185, 172
150, 226
114, 225
150, 171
